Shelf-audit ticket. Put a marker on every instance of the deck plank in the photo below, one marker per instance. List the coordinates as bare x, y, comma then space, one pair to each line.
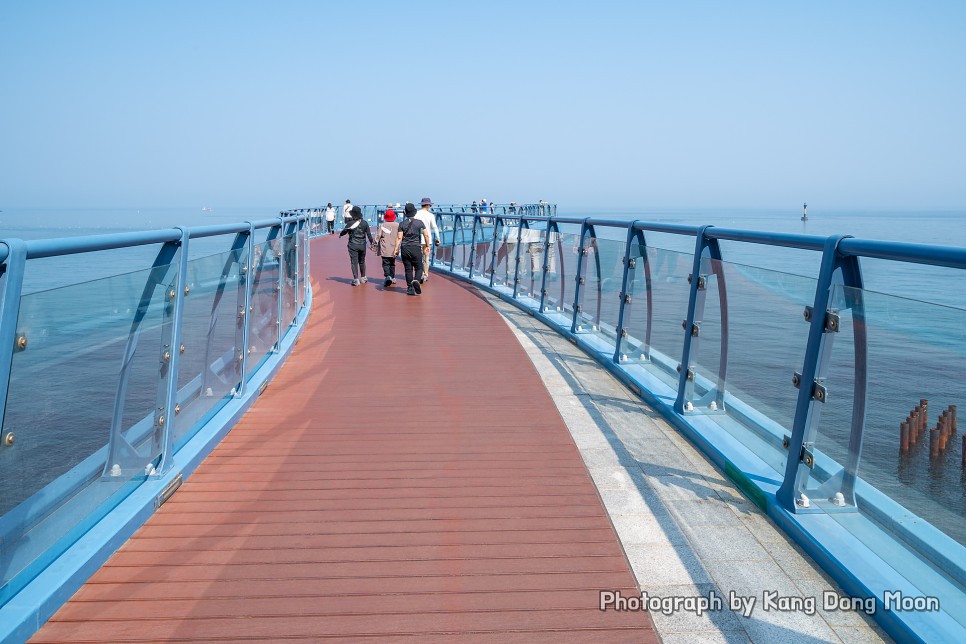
405, 477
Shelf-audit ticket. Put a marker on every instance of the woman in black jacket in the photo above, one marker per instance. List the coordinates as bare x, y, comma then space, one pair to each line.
358, 231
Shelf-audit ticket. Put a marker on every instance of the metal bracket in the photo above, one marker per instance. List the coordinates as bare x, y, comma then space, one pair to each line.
632, 263
578, 308
807, 457
695, 329
691, 374
832, 321
627, 298
702, 282
819, 391
580, 280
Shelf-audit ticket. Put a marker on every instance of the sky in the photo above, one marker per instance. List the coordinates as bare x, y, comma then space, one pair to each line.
287, 104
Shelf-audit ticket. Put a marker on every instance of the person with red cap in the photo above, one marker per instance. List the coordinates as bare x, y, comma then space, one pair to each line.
385, 246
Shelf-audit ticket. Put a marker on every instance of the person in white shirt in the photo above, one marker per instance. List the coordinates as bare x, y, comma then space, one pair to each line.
347, 212
426, 216
330, 218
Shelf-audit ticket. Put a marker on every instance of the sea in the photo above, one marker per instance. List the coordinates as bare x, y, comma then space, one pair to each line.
916, 319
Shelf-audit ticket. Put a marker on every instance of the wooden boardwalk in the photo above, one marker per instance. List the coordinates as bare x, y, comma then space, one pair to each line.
406, 476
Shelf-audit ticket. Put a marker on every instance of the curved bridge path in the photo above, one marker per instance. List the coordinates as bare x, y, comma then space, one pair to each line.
406, 475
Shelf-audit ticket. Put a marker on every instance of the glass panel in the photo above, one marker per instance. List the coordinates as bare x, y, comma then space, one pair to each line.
464, 235
264, 306
443, 253
654, 335
63, 464
212, 334
287, 264
504, 263
531, 260
917, 351
766, 337
603, 279
561, 278
483, 260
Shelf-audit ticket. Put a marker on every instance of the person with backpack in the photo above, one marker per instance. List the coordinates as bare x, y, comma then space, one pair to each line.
358, 231
409, 241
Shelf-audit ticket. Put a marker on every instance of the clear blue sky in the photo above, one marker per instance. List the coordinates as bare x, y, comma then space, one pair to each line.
284, 103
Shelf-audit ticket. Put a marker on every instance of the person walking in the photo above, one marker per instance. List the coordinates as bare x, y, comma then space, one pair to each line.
385, 246
358, 231
330, 218
347, 212
426, 216
412, 234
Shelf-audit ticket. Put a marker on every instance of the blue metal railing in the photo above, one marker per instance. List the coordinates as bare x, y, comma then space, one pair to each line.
191, 337
810, 484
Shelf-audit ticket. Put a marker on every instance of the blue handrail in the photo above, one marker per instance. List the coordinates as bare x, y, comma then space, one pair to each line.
818, 524
144, 454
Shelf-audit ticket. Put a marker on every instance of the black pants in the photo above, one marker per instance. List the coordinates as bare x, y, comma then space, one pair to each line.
389, 267
331, 225
357, 257
412, 258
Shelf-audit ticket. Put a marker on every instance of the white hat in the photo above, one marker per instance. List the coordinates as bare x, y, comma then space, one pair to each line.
397, 205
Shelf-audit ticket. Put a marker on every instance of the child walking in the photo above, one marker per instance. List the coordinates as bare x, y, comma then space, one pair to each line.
385, 246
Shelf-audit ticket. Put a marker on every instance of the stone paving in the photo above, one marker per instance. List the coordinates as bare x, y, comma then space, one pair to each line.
686, 529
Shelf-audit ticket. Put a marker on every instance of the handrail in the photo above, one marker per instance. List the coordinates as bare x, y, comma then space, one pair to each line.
174, 316
700, 402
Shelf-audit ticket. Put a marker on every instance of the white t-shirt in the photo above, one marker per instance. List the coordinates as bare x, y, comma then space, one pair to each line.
429, 220
330, 214
345, 211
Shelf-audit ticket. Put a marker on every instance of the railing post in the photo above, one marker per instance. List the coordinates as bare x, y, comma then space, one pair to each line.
497, 224
812, 393
516, 276
11, 289
577, 279
551, 227
169, 408
703, 245
473, 246
624, 295
277, 233
249, 270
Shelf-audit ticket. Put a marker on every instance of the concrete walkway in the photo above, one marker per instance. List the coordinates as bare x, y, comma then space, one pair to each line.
687, 530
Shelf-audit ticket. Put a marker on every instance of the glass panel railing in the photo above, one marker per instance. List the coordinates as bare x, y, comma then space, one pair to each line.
562, 276
603, 278
530, 274
72, 448
921, 467
483, 255
212, 334
463, 236
655, 337
762, 334
287, 264
263, 331
504, 262
443, 254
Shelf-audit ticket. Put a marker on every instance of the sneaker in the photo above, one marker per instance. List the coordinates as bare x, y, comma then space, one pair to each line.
422, 279
392, 279
387, 283
355, 282
417, 287
364, 279
410, 290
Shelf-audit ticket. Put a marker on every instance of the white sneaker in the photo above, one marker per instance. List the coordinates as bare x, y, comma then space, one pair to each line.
364, 280
355, 282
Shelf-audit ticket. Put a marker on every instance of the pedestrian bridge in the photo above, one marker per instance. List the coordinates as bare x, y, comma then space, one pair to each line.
435, 467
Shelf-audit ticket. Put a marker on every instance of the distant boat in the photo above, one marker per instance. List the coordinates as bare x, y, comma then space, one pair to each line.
207, 209
804, 212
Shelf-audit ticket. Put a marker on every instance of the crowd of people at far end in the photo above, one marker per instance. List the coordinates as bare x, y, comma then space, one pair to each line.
410, 239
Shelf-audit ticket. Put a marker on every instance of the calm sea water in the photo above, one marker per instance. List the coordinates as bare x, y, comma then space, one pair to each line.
917, 326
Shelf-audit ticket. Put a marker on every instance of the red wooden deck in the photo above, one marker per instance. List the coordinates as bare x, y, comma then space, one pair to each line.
405, 476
